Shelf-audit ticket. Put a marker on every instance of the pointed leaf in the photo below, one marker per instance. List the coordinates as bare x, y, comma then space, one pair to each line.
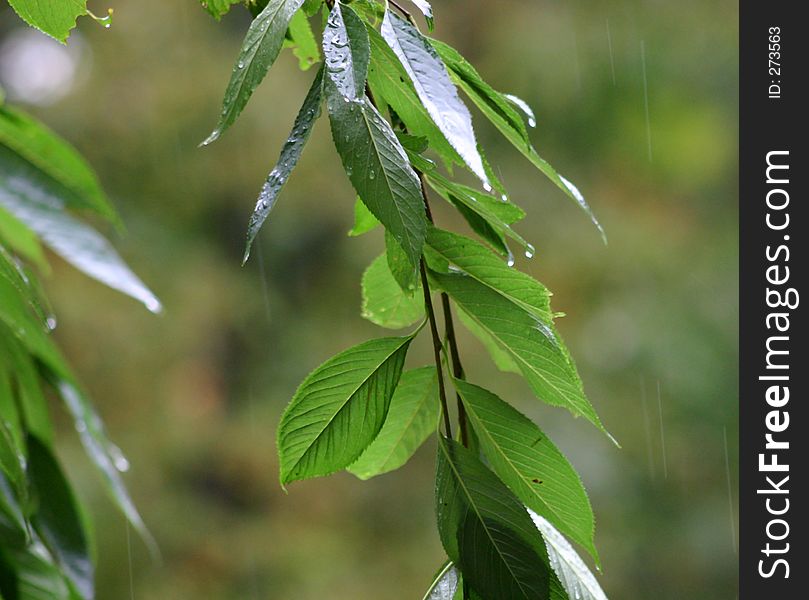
487, 268
347, 53
339, 409
412, 417
404, 272
57, 519
527, 461
377, 166
31, 200
434, 88
290, 154
533, 345
364, 219
21, 240
54, 158
427, 11
577, 580
383, 301
499, 111
486, 531
53, 17
260, 48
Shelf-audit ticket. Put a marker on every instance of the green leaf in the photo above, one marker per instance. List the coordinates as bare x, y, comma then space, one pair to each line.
412, 417
378, 167
31, 574
55, 158
500, 357
486, 531
12, 460
364, 219
434, 88
288, 159
498, 214
339, 409
32, 199
218, 8
577, 580
497, 108
526, 460
34, 407
346, 51
487, 268
104, 455
310, 7
524, 107
383, 301
390, 83
57, 519
260, 48
404, 272
533, 345
53, 17
21, 240
445, 584
304, 45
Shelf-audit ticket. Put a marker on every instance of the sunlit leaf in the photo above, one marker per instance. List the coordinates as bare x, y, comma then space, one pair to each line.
500, 357
412, 417
346, 52
486, 531
434, 88
533, 345
528, 462
53, 17
339, 409
218, 8
383, 300
577, 580
304, 45
364, 219
260, 48
21, 240
377, 166
426, 10
288, 159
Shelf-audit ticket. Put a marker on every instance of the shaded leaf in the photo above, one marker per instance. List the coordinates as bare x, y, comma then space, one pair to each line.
377, 166
577, 580
499, 111
55, 158
533, 345
434, 88
404, 272
288, 159
383, 301
57, 519
260, 48
346, 51
364, 219
31, 574
31, 199
528, 462
339, 409
412, 417
486, 531
53, 17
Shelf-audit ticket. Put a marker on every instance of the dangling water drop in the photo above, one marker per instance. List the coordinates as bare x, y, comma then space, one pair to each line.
530, 251
487, 187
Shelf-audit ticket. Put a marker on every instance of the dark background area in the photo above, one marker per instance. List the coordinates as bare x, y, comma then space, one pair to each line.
193, 396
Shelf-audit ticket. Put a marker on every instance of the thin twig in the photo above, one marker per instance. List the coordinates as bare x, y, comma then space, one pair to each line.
457, 368
428, 306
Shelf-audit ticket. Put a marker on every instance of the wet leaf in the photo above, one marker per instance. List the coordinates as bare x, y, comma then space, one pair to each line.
288, 159
53, 17
260, 48
339, 409
434, 88
346, 51
445, 584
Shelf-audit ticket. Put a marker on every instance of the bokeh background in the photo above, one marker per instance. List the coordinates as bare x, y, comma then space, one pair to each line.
636, 103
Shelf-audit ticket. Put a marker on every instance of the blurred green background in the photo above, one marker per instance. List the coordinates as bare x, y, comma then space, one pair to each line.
193, 396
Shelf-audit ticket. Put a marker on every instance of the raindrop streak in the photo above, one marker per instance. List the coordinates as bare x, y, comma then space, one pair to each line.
609, 45
730, 492
662, 432
648, 428
646, 100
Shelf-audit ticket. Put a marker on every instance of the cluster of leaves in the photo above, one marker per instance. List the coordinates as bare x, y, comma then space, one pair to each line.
45, 549
505, 495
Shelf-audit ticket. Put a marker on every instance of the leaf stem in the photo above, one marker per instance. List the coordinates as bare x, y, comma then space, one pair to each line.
457, 367
428, 305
